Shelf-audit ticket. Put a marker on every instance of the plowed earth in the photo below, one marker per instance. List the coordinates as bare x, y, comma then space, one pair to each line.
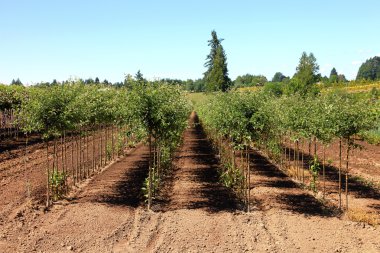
193, 212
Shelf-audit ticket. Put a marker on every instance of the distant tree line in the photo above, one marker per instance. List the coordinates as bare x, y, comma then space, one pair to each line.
369, 70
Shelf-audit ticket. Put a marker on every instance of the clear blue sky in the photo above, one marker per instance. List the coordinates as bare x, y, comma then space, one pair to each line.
43, 40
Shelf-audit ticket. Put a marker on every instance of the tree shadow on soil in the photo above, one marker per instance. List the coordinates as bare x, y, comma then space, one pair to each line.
356, 186
212, 196
12, 143
128, 190
292, 200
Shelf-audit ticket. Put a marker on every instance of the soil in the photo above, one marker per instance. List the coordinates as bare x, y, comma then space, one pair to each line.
194, 212
363, 176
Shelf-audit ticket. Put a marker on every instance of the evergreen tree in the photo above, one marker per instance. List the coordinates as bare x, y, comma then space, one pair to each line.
370, 70
333, 76
216, 76
97, 81
342, 78
89, 81
139, 76
16, 82
306, 75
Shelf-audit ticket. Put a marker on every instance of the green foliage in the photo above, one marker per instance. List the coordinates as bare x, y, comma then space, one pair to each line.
155, 185
162, 111
333, 76
216, 76
231, 177
306, 76
54, 109
249, 80
278, 77
12, 96
139, 77
374, 94
265, 119
369, 70
16, 82
274, 88
314, 170
57, 184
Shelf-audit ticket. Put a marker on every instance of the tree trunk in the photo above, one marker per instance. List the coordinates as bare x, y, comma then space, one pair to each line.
324, 171
340, 173
25, 163
48, 175
150, 173
347, 156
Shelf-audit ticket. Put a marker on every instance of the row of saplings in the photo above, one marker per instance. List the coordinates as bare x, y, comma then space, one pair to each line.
239, 122
87, 127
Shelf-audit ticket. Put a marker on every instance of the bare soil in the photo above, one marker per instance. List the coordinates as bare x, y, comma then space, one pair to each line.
194, 213
363, 176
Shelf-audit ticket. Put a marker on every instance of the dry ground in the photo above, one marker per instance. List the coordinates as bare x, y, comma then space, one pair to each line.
194, 213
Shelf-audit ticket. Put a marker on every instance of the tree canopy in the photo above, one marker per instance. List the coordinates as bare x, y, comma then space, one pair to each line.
250, 80
369, 70
307, 74
278, 77
216, 76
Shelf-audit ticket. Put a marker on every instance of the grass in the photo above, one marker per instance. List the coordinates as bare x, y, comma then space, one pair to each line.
196, 97
353, 87
372, 136
360, 215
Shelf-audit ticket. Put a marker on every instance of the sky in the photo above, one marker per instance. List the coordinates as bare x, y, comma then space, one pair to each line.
46, 40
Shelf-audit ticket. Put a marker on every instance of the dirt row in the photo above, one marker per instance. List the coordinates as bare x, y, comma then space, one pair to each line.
363, 178
194, 213
23, 169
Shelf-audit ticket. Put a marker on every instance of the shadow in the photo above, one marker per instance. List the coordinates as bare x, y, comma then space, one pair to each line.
292, 197
127, 191
211, 196
375, 206
356, 186
120, 184
278, 184
12, 143
304, 204
217, 197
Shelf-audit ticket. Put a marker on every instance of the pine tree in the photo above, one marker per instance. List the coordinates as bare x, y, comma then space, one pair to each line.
333, 76
139, 76
216, 76
16, 82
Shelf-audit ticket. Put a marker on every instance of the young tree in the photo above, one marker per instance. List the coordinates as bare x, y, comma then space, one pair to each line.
306, 75
216, 76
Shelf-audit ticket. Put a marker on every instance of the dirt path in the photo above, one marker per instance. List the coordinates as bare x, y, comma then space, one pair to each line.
195, 180
199, 215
